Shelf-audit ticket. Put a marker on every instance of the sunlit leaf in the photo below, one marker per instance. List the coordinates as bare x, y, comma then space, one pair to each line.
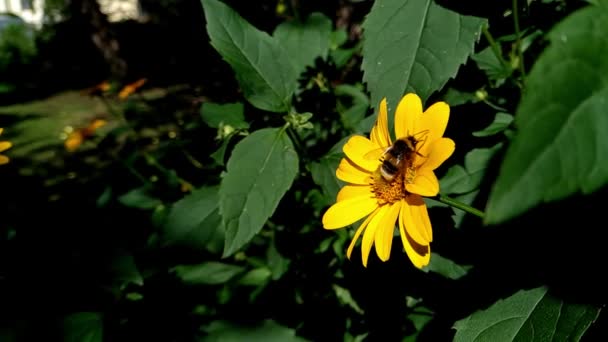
260, 171
208, 273
414, 46
528, 315
194, 221
346, 298
231, 114
267, 331
560, 145
263, 68
256, 277
305, 41
83, 327
500, 123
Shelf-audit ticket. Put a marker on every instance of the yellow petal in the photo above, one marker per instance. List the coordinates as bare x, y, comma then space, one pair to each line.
348, 211
407, 115
356, 150
1, 130
421, 219
370, 233
409, 220
73, 141
380, 134
359, 231
350, 191
4, 159
5, 145
438, 152
433, 122
425, 183
419, 255
386, 229
350, 173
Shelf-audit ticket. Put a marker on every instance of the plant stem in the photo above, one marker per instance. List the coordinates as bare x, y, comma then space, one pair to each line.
520, 53
454, 203
494, 46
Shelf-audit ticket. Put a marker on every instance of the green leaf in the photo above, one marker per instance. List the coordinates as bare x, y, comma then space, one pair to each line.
455, 97
305, 41
194, 221
488, 62
414, 46
263, 68
531, 315
208, 273
560, 144
337, 38
346, 298
500, 123
461, 180
467, 199
277, 263
231, 114
256, 277
124, 270
260, 171
324, 175
83, 327
353, 104
139, 198
446, 267
267, 331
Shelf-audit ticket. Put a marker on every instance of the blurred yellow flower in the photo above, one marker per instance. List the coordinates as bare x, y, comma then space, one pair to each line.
77, 137
131, 88
4, 145
386, 180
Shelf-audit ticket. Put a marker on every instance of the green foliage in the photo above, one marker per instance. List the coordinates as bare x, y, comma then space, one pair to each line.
208, 273
259, 172
265, 331
261, 65
17, 46
83, 327
531, 315
414, 46
556, 150
313, 34
229, 114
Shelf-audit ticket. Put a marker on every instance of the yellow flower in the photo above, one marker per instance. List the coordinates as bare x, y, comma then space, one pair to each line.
386, 180
131, 88
4, 145
77, 137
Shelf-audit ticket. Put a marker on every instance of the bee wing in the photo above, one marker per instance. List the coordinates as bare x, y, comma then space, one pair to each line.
375, 154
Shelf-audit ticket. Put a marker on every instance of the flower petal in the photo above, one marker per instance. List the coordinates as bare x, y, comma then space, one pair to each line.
357, 149
419, 255
380, 134
370, 233
350, 173
4, 159
407, 115
409, 220
425, 183
348, 211
386, 229
1, 130
440, 150
433, 122
5, 145
420, 216
359, 231
351, 191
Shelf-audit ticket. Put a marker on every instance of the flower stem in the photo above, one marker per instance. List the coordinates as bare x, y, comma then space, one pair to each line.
454, 203
520, 53
494, 46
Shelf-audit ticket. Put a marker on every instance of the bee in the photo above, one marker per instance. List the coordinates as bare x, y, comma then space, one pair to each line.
399, 156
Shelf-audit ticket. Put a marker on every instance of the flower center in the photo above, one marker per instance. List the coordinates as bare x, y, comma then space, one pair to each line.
394, 190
